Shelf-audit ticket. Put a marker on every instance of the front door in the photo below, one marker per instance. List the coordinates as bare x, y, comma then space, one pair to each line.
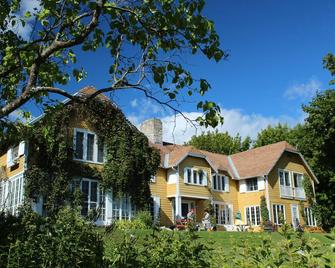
295, 215
185, 208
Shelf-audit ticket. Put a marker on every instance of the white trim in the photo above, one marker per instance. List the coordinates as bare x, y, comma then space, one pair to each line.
231, 162
267, 196
298, 216
195, 155
277, 219
189, 196
246, 218
95, 146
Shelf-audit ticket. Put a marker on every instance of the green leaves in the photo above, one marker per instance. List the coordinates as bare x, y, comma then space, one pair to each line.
79, 74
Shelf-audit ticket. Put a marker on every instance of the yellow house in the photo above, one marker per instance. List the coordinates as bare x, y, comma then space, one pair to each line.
187, 178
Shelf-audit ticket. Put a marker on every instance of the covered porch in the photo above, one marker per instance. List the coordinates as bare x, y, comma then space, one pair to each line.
181, 205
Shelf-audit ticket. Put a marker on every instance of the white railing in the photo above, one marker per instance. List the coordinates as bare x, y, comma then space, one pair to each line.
286, 191
299, 193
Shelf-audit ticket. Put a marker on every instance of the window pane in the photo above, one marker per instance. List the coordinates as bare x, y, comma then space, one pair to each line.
90, 146
275, 216
281, 178
195, 177
219, 183
84, 189
79, 145
253, 220
201, 176
287, 179
214, 182
100, 150
189, 176
223, 184
248, 216
94, 191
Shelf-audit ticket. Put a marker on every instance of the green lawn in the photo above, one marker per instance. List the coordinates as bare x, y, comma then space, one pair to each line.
226, 240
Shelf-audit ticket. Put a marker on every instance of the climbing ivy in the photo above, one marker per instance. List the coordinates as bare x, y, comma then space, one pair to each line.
130, 161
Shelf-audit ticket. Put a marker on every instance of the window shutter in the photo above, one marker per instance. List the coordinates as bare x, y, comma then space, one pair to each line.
21, 148
226, 182
109, 207
243, 186
157, 205
204, 179
9, 157
260, 182
185, 175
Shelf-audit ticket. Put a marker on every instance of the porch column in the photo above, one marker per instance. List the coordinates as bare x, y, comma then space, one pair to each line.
177, 207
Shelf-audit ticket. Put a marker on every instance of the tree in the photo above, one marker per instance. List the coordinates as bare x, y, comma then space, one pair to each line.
264, 210
273, 134
144, 38
218, 142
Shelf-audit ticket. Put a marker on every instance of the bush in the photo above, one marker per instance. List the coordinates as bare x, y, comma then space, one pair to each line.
142, 220
62, 240
160, 249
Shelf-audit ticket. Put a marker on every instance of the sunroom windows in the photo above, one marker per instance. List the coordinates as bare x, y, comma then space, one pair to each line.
223, 213
253, 215
88, 147
278, 214
11, 194
309, 217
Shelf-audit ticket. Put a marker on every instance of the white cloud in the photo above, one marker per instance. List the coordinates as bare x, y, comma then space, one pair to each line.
178, 130
146, 109
304, 90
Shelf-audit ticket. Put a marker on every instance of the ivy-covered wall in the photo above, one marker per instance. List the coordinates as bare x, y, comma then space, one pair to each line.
130, 162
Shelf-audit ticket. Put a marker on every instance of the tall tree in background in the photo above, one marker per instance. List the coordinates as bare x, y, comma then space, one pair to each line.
222, 143
144, 39
318, 146
273, 134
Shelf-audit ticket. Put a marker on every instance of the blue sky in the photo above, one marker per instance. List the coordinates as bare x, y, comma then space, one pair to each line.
275, 65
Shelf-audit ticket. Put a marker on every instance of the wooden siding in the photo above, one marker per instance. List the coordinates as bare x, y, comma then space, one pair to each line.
159, 189
14, 170
290, 162
189, 189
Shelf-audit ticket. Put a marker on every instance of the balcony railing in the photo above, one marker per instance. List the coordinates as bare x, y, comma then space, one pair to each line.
299, 193
290, 192
286, 191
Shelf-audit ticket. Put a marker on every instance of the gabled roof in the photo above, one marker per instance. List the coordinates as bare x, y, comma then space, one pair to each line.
260, 161
248, 164
84, 92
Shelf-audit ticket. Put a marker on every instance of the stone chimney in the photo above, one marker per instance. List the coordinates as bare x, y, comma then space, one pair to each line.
153, 129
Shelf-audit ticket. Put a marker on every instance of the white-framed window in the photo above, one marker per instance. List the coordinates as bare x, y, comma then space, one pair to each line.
88, 146
309, 217
195, 176
12, 194
252, 184
93, 198
297, 180
220, 183
253, 215
223, 213
278, 212
123, 209
284, 178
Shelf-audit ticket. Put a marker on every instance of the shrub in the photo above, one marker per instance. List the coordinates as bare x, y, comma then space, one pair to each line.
160, 249
61, 240
142, 220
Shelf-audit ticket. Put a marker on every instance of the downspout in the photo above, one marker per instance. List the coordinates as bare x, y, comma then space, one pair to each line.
267, 195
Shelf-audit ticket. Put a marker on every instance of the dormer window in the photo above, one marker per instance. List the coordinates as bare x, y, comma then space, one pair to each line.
14, 153
195, 176
88, 147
